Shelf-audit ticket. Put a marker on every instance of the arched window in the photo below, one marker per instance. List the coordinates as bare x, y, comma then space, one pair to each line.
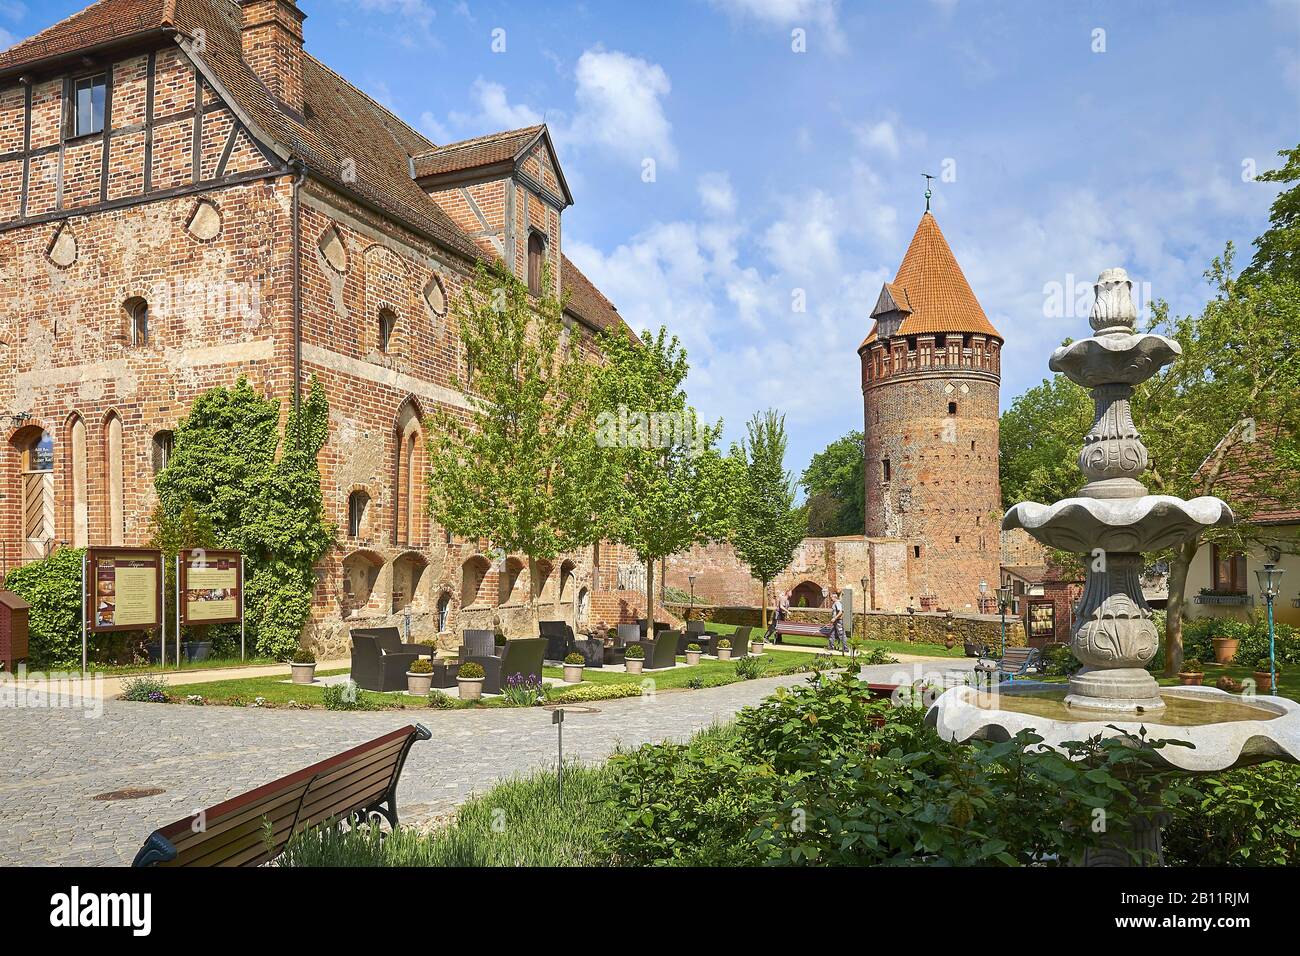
80, 498
114, 506
444, 610
473, 576
536, 250
408, 434
137, 321
387, 325
163, 444
952, 408
37, 453
358, 505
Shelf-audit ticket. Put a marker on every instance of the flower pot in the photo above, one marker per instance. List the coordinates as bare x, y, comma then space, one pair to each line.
634, 665
419, 685
1263, 682
693, 657
573, 673
1190, 679
724, 653
756, 647
303, 673
1225, 649
471, 688
197, 650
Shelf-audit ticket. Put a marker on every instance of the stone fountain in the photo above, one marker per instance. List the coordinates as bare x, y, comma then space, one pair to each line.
1111, 522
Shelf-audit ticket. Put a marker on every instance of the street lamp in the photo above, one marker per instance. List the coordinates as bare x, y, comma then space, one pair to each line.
1004, 599
691, 578
984, 590
1270, 585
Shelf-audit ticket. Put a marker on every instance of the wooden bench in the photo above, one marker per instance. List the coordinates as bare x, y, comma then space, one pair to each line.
254, 827
803, 629
1015, 662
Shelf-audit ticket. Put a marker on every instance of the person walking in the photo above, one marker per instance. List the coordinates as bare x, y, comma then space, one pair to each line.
782, 613
838, 640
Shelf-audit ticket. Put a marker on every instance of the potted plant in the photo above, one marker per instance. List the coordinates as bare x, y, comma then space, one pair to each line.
634, 658
419, 679
1225, 648
692, 653
1192, 673
470, 680
499, 641
756, 645
724, 649
303, 666
573, 665
1264, 677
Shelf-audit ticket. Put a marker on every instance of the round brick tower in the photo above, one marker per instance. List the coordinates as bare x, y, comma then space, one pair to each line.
930, 376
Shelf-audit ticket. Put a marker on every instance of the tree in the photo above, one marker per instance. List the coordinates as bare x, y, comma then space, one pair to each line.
836, 490
521, 469
671, 488
232, 481
1277, 251
768, 527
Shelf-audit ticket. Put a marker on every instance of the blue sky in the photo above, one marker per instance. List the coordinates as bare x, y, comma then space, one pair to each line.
780, 174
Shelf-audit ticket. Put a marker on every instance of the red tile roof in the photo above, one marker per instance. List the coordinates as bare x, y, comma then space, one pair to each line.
931, 284
475, 153
1255, 479
340, 129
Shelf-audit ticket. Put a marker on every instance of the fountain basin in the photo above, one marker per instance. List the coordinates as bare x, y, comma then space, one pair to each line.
1148, 523
1225, 730
1127, 357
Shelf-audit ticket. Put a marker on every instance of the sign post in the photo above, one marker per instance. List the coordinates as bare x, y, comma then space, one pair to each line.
210, 589
122, 591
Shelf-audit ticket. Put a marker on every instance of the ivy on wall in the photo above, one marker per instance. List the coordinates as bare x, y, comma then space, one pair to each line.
225, 469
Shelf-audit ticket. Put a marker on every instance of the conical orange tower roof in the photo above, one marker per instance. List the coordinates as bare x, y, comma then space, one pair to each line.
931, 291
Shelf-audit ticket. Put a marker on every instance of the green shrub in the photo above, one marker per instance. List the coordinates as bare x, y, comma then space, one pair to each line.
592, 692
875, 655
147, 688
724, 642
421, 665
575, 658
347, 696
1061, 661
522, 690
471, 671
303, 656
1245, 817
52, 586
1254, 643
635, 651
693, 648
749, 668
1192, 665
443, 701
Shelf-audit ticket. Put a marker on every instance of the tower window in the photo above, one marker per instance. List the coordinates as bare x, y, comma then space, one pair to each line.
163, 443
972, 445
956, 539
884, 469
952, 408
916, 550
137, 322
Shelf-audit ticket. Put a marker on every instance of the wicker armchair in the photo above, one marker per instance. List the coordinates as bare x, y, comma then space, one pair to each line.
522, 656
662, 651
559, 639
373, 669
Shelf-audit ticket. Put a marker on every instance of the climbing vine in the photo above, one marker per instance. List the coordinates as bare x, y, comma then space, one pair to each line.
225, 470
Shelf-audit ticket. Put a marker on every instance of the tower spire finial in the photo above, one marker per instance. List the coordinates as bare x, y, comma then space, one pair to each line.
928, 177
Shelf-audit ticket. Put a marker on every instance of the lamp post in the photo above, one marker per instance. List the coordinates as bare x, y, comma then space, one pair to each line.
1004, 599
691, 578
1270, 585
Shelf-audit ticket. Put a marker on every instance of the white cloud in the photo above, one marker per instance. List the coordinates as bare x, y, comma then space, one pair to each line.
412, 12
495, 112
620, 107
716, 194
805, 242
881, 136
7, 39
820, 18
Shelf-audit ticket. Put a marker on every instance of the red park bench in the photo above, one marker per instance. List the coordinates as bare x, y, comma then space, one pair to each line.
254, 827
803, 629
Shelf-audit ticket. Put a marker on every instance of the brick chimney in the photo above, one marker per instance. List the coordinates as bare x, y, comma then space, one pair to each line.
271, 38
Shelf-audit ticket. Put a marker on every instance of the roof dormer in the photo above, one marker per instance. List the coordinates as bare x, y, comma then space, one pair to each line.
507, 192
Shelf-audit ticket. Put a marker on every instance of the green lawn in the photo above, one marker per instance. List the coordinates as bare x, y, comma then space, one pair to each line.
893, 647
274, 690
211, 664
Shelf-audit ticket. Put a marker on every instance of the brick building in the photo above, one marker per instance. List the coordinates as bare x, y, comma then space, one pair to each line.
186, 197
931, 368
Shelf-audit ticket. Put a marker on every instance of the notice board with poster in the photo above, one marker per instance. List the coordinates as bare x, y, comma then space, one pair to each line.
210, 583
125, 588
1040, 622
